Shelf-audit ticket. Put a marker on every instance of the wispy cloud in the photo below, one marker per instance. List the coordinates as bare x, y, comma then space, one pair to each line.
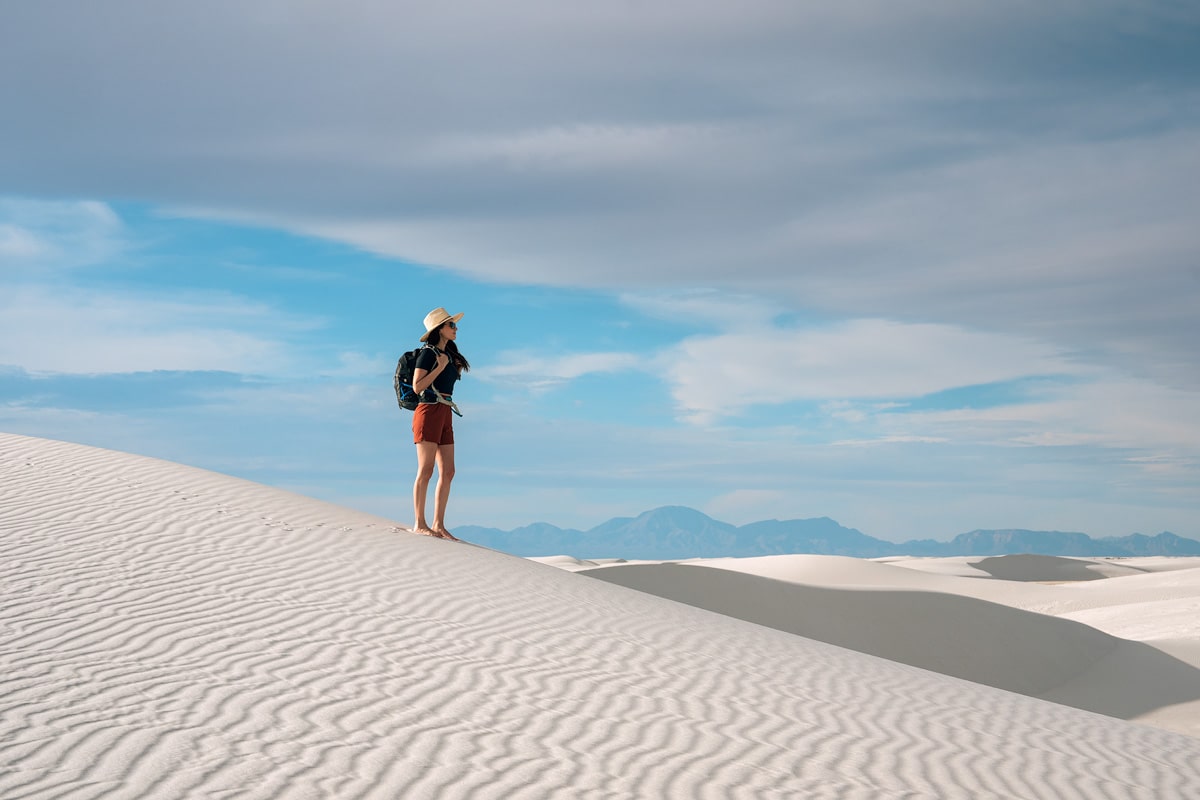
42, 234
726, 374
46, 329
724, 309
537, 373
576, 147
1107, 411
51, 324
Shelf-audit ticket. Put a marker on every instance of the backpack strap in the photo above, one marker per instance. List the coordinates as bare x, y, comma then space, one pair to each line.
444, 399
429, 388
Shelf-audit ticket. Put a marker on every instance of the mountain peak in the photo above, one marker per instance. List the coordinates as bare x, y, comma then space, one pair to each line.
676, 512
669, 518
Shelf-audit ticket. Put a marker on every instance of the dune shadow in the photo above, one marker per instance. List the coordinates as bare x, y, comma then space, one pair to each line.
1132, 680
1020, 651
1029, 568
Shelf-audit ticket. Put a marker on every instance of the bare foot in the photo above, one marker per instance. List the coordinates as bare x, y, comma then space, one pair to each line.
422, 530
445, 534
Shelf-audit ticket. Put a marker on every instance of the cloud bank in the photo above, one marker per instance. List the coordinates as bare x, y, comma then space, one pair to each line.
1021, 168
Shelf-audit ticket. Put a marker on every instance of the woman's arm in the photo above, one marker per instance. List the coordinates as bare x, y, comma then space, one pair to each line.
424, 378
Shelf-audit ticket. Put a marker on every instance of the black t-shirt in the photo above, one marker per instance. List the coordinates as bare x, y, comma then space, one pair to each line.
444, 383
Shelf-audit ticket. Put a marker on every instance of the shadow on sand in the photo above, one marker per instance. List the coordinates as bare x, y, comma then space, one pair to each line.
1033, 654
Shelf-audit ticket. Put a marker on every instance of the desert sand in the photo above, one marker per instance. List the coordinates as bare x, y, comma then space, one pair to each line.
1117, 636
169, 632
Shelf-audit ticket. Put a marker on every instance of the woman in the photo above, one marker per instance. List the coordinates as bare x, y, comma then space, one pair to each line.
438, 368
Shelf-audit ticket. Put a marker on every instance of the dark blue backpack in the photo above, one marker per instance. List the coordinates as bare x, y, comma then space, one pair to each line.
405, 396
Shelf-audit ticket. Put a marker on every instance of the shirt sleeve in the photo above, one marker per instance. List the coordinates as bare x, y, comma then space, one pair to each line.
426, 359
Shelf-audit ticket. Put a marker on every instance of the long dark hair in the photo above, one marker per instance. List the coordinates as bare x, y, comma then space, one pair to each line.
456, 358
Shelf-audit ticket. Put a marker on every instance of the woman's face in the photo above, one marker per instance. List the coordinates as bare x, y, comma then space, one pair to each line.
449, 332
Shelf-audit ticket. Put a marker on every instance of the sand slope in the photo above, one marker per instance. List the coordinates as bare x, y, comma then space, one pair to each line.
979, 628
980, 641
169, 632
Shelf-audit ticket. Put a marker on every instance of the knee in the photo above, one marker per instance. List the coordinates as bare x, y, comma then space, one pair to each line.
424, 473
446, 473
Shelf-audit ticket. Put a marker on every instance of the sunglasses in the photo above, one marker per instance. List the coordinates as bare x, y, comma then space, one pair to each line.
453, 325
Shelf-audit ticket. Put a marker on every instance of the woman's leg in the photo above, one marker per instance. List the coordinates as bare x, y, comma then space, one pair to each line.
427, 456
445, 468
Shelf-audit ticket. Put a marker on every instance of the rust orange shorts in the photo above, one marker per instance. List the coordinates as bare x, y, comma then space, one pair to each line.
432, 423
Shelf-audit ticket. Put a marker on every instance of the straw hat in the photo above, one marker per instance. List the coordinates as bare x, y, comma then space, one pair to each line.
436, 319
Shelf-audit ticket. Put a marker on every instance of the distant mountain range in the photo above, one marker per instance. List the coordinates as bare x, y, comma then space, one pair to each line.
676, 532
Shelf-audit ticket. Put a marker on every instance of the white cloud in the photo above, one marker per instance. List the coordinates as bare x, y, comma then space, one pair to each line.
67, 330
576, 147
728, 374
538, 373
40, 234
359, 365
850, 367
1085, 242
885, 440
1021, 166
20, 244
49, 323
727, 310
1152, 423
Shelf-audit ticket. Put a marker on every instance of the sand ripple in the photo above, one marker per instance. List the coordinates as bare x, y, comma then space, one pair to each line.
170, 632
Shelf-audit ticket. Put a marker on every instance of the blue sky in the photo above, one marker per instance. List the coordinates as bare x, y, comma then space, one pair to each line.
919, 268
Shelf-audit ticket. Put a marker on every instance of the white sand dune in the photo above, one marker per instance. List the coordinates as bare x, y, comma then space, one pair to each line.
1179, 585
1027, 567
856, 573
1092, 587
170, 632
971, 639
1174, 619
1155, 598
1125, 647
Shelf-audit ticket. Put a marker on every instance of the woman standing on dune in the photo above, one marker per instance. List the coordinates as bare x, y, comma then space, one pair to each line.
438, 368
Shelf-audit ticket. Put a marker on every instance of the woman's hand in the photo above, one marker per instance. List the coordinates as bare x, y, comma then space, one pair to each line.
423, 379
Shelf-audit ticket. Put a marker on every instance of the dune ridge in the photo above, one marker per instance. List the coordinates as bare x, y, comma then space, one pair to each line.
171, 632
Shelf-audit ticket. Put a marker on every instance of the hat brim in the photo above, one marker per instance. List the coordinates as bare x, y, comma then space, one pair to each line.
452, 318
